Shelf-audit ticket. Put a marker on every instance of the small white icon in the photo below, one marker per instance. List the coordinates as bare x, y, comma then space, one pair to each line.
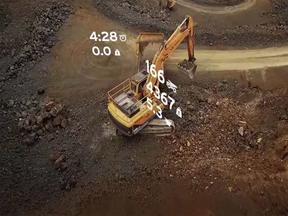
171, 85
168, 122
117, 52
179, 112
123, 38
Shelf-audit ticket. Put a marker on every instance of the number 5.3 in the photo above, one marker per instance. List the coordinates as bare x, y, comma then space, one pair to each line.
150, 107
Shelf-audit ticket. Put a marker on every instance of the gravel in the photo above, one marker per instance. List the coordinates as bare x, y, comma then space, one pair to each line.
41, 38
38, 118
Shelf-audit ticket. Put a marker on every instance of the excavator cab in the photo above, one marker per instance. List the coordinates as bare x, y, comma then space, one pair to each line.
137, 83
126, 97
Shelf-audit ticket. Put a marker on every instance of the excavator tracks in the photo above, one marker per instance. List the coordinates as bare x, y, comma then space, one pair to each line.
159, 127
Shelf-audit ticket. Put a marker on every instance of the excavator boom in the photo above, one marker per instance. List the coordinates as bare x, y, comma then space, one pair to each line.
184, 31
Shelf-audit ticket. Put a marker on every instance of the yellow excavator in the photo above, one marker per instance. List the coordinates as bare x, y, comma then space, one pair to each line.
127, 102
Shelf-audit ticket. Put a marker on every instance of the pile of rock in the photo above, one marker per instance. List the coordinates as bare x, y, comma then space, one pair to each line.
46, 116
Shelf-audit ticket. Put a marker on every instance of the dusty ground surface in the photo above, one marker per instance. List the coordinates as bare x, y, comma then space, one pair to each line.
59, 153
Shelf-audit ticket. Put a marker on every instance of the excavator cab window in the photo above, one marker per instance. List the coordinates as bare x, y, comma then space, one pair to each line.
141, 85
134, 87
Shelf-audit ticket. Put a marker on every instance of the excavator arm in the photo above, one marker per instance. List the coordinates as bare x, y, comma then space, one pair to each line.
183, 31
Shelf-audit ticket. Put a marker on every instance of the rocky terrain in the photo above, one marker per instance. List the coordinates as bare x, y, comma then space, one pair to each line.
60, 155
40, 38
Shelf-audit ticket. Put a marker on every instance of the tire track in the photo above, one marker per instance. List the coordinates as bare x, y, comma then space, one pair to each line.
228, 60
217, 9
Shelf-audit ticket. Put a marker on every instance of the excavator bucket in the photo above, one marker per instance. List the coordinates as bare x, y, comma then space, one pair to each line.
171, 4
188, 67
144, 40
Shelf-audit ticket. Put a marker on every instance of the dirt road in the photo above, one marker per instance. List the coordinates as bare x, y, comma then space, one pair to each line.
215, 9
264, 68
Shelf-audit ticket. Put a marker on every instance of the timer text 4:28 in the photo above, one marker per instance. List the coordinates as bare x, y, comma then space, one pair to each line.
108, 36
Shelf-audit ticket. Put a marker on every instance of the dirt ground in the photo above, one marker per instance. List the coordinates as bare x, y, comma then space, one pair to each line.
60, 154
